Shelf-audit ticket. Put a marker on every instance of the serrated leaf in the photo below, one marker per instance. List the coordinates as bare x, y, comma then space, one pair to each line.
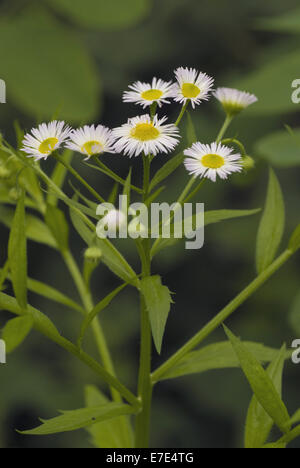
41, 322
56, 221
218, 356
280, 148
259, 423
112, 433
17, 254
45, 67
80, 418
15, 331
294, 243
272, 225
261, 384
158, 302
102, 14
166, 170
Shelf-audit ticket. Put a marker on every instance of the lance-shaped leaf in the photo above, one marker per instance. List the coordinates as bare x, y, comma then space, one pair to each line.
271, 226
96, 310
58, 225
158, 302
17, 254
218, 356
112, 433
294, 243
190, 130
261, 384
16, 330
80, 418
259, 423
167, 169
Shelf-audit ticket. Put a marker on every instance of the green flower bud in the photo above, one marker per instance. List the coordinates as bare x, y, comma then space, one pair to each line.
93, 254
248, 163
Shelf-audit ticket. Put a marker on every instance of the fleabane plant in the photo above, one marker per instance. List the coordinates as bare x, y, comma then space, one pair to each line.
120, 413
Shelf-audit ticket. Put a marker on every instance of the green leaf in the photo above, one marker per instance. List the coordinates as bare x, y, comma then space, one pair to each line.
36, 230
96, 310
259, 423
80, 418
17, 254
56, 221
210, 217
158, 302
50, 84
47, 291
261, 384
275, 99
112, 433
82, 229
41, 322
285, 23
15, 331
271, 227
166, 170
127, 190
294, 243
102, 14
218, 356
280, 148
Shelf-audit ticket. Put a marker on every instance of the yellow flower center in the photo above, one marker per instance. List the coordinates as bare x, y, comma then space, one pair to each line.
212, 161
189, 90
152, 94
145, 132
48, 145
92, 147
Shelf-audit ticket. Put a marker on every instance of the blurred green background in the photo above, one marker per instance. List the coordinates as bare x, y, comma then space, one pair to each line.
72, 59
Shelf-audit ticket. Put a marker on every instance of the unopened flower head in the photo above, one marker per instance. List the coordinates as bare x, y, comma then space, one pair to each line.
144, 135
45, 139
91, 140
192, 86
233, 100
212, 160
146, 94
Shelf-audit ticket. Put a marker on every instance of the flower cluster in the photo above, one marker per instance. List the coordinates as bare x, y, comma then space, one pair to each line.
149, 134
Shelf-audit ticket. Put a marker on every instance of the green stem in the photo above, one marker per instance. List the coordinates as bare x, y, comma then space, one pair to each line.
142, 430
96, 327
224, 128
222, 316
195, 191
182, 112
78, 177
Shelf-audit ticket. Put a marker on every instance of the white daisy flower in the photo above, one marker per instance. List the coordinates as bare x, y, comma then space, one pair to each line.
45, 139
212, 160
91, 140
192, 86
143, 135
233, 100
146, 94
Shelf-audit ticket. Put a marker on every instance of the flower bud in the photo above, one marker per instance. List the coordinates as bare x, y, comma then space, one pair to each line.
93, 254
4, 173
248, 163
